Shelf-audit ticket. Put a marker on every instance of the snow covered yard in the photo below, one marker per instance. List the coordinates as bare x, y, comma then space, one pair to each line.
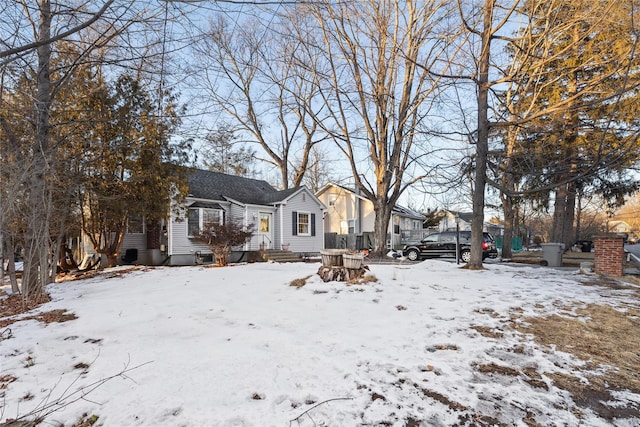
426, 344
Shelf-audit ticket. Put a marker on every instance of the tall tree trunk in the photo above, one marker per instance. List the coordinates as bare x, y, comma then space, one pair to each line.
37, 236
482, 143
559, 207
569, 215
508, 188
578, 219
563, 220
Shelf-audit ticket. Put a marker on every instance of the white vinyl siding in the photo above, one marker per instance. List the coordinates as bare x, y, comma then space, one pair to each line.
313, 242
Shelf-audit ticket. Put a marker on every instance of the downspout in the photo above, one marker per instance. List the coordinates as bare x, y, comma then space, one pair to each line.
170, 234
281, 209
246, 224
359, 215
392, 231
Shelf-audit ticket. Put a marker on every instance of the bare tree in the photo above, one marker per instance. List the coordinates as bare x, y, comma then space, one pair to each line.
249, 78
375, 99
320, 170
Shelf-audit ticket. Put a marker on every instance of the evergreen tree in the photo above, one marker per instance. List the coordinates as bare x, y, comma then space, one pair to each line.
583, 131
135, 168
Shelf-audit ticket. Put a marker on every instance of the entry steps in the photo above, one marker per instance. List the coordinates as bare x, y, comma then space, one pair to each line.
276, 255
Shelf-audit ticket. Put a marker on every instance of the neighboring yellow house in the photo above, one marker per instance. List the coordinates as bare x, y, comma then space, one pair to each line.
349, 220
618, 227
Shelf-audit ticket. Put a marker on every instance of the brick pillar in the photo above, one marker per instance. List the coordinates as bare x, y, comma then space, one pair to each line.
609, 256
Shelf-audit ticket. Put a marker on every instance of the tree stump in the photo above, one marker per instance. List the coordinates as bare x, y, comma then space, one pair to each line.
341, 274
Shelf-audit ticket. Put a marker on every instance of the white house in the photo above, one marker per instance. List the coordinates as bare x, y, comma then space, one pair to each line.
449, 218
283, 219
349, 219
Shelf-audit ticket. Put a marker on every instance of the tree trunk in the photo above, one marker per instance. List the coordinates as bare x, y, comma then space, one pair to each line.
564, 213
509, 226
112, 259
10, 251
559, 207
36, 269
482, 143
381, 226
508, 188
569, 215
113, 249
578, 219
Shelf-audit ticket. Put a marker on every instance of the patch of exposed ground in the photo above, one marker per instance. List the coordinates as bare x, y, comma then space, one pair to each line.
487, 332
58, 316
16, 304
607, 340
627, 283
13, 305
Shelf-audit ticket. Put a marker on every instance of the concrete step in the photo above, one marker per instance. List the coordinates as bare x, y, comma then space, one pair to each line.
276, 255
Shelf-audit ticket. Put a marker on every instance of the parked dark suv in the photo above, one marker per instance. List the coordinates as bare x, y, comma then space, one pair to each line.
444, 244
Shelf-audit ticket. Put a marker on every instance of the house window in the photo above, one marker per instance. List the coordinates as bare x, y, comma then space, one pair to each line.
332, 199
199, 217
303, 224
351, 226
135, 224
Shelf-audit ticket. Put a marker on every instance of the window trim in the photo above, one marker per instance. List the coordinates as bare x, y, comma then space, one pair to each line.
201, 218
143, 224
294, 222
308, 223
351, 224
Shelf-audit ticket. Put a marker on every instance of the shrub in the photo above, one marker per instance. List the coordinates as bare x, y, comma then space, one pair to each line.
221, 238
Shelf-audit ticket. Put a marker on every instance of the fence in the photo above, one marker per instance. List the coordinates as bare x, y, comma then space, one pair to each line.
365, 240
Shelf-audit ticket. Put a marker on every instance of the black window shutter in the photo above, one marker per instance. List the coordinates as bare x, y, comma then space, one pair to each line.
313, 224
294, 221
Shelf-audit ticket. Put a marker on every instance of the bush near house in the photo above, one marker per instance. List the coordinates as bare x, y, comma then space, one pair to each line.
221, 238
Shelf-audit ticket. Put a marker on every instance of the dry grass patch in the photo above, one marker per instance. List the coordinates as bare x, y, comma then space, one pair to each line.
607, 340
367, 278
492, 368
626, 283
58, 316
298, 283
487, 332
16, 304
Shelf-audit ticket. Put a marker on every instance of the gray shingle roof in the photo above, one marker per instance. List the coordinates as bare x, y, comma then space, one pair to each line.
408, 213
465, 216
219, 186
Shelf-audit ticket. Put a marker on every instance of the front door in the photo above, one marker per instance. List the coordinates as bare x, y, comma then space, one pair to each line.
265, 229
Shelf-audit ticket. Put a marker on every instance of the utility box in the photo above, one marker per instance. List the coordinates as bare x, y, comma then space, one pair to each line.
552, 254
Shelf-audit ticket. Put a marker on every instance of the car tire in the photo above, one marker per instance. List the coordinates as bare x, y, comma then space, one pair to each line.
413, 255
465, 255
